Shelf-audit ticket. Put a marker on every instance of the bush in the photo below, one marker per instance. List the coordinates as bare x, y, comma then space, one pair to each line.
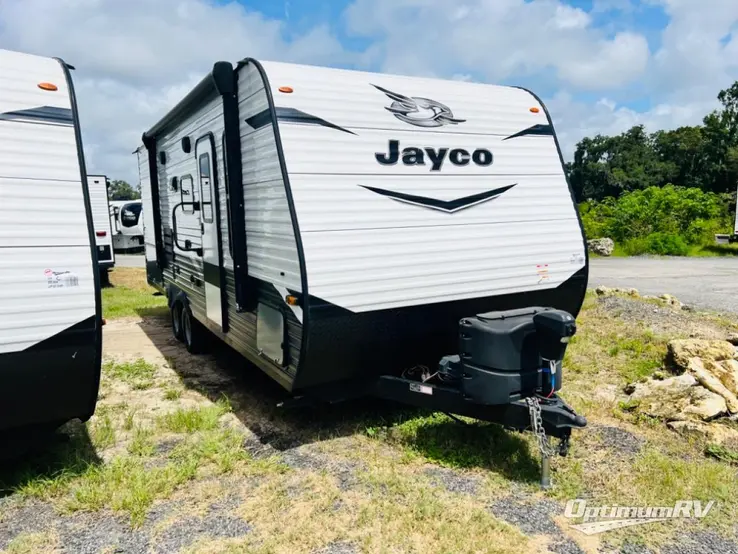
659, 220
661, 244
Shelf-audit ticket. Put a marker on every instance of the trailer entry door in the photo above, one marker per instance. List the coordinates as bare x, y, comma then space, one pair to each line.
211, 258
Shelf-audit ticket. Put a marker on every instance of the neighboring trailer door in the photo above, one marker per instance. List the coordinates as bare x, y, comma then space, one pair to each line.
205, 154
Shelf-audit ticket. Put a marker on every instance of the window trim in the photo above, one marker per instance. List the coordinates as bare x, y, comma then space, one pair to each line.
206, 219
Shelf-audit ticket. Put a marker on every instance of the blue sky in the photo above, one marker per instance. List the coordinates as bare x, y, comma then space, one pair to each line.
601, 66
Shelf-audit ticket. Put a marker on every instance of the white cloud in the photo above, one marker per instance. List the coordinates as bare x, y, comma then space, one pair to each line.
508, 40
574, 120
138, 58
500, 40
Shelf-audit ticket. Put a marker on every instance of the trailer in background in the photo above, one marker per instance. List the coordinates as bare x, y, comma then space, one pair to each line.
98, 187
126, 220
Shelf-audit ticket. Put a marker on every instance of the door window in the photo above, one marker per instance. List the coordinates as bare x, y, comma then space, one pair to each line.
205, 190
187, 194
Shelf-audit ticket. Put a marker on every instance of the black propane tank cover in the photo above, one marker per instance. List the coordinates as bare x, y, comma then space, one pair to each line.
501, 340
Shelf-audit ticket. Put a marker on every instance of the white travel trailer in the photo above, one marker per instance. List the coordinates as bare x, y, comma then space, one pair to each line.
98, 187
342, 229
50, 315
125, 217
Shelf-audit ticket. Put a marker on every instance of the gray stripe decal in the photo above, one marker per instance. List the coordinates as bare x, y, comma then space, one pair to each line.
45, 114
291, 115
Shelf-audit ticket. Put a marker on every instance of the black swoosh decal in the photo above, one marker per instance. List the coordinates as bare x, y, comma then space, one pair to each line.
449, 206
292, 115
539, 129
45, 114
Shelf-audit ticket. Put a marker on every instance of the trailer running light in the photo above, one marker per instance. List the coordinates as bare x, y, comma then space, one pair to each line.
48, 86
291, 300
535, 110
101, 233
286, 90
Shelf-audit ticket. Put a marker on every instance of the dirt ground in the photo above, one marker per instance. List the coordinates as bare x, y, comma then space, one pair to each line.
313, 480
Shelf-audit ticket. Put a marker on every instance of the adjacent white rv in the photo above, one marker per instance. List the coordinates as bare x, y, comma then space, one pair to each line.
125, 218
334, 226
98, 187
50, 315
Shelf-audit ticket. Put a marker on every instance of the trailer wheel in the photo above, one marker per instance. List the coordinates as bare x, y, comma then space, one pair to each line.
194, 333
176, 314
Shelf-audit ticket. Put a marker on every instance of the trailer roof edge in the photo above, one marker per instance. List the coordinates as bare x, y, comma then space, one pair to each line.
220, 80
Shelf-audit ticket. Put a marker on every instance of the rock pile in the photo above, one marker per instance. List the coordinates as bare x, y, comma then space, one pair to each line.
665, 299
703, 391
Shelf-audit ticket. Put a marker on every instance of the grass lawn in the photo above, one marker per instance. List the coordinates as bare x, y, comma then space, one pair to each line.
130, 295
199, 439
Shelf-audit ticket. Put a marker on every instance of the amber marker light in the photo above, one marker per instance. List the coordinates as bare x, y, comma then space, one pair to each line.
48, 86
286, 90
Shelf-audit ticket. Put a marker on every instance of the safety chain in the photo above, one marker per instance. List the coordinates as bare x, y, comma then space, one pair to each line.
536, 423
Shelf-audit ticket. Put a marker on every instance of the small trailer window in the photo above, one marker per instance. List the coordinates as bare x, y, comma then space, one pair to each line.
205, 190
187, 194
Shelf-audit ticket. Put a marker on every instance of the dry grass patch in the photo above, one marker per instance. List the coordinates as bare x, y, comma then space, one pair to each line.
33, 543
390, 511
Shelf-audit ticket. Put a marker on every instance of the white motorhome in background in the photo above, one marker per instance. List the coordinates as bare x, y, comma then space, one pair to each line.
50, 312
127, 224
98, 187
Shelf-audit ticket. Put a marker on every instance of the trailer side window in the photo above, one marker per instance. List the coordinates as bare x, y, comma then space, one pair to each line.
205, 190
228, 193
187, 194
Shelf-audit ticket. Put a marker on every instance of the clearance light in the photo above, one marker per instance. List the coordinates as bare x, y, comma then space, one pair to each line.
48, 86
535, 110
286, 90
101, 233
292, 300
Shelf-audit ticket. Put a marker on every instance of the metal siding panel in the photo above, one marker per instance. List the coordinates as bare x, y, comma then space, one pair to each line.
31, 310
271, 243
43, 222
182, 266
21, 75
23, 145
350, 99
366, 251
315, 149
147, 204
41, 212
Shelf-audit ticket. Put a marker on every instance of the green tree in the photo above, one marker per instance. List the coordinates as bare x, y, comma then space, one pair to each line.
121, 190
703, 156
609, 166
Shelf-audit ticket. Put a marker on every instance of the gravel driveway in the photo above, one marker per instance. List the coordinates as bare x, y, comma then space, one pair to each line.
707, 283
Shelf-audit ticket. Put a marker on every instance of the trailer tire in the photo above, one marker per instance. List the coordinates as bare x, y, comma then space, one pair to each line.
194, 334
176, 315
